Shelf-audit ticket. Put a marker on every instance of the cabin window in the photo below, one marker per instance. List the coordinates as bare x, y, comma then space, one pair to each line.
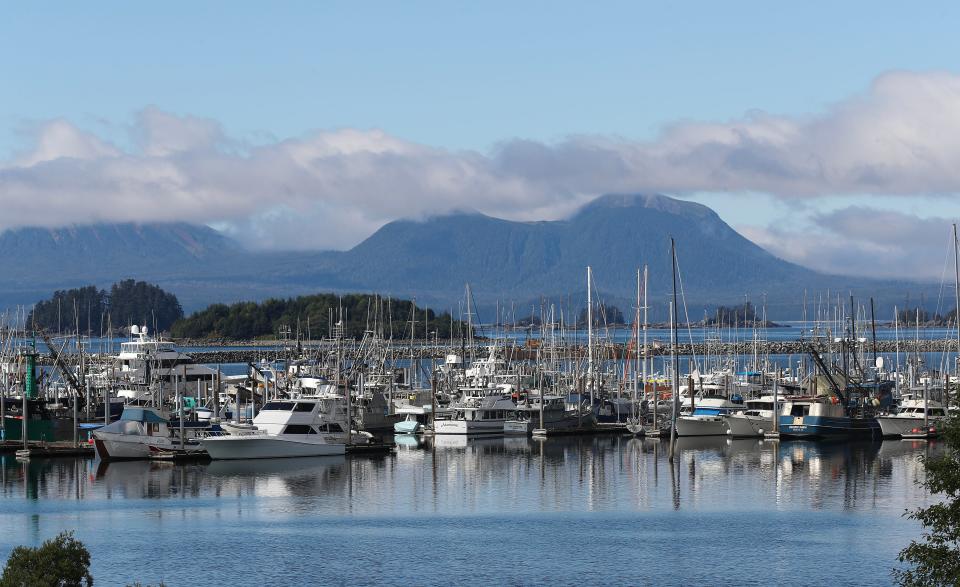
800, 410
303, 408
298, 429
278, 406
334, 428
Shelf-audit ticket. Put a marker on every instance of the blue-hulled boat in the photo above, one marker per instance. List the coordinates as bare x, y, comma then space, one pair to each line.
823, 417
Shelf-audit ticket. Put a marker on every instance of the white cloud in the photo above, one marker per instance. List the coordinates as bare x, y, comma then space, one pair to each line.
332, 188
864, 241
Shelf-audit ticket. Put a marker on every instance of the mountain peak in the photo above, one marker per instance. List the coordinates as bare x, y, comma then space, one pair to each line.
657, 202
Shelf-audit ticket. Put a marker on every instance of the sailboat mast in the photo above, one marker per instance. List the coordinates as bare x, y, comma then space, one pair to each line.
590, 334
956, 273
636, 362
645, 348
673, 352
896, 337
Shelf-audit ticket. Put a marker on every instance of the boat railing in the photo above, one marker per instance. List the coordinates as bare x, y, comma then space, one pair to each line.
215, 433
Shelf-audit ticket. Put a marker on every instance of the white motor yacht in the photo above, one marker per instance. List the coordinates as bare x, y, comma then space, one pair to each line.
910, 415
286, 428
755, 419
708, 417
146, 360
482, 411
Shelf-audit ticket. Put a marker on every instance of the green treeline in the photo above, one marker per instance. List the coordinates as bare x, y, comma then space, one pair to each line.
91, 310
313, 317
913, 316
734, 316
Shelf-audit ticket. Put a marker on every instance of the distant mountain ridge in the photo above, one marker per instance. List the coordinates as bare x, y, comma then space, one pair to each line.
36, 261
85, 244
432, 259
521, 260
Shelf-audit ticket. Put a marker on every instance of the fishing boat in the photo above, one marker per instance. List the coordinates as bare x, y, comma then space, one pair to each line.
144, 432
295, 428
822, 417
709, 416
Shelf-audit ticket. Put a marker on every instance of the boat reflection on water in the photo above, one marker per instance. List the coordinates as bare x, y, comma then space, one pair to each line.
408, 441
451, 473
275, 467
463, 441
42, 478
305, 476
610, 496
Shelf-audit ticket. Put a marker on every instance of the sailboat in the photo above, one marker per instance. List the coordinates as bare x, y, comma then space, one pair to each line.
636, 423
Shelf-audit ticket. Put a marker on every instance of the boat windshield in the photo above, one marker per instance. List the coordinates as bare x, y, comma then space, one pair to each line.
299, 429
279, 406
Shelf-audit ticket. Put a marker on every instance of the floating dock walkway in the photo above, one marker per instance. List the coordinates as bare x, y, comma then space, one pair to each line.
46, 449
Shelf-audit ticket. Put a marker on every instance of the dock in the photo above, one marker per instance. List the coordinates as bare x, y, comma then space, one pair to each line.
46, 449
601, 428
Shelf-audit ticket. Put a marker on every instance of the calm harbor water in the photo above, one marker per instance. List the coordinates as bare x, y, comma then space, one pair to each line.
567, 511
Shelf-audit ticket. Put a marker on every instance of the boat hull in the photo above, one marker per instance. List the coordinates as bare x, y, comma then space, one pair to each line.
893, 426
468, 427
262, 446
407, 427
701, 426
742, 426
518, 427
555, 425
827, 426
115, 447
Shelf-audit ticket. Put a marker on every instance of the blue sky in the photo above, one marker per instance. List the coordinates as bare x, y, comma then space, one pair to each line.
451, 73
454, 77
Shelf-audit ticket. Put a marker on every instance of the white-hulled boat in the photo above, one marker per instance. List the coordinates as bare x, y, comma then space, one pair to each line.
145, 359
482, 411
556, 417
146, 433
416, 418
287, 428
708, 417
756, 419
910, 416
